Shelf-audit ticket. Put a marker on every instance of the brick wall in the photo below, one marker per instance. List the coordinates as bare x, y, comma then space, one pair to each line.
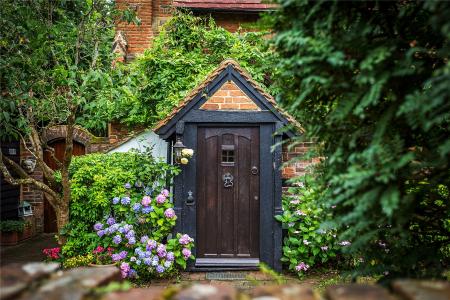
32, 194
294, 163
229, 97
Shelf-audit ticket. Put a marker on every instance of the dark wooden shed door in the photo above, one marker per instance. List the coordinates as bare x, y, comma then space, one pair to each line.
228, 194
59, 146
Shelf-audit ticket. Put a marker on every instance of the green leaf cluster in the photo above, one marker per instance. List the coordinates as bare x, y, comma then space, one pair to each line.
187, 49
371, 82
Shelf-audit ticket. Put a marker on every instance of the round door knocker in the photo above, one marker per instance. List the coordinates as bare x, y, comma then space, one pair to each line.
254, 170
227, 180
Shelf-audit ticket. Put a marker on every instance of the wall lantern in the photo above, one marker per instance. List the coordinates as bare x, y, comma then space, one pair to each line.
25, 209
178, 149
29, 165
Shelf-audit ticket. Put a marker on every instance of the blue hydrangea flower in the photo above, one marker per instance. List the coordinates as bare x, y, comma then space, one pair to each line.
148, 191
121, 230
148, 253
132, 241
138, 262
117, 239
147, 261
115, 200
167, 264
170, 256
101, 233
155, 261
136, 207
130, 234
147, 210
110, 221
137, 250
125, 200
141, 255
127, 185
160, 269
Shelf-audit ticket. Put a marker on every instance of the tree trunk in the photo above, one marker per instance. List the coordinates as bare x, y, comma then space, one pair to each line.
62, 218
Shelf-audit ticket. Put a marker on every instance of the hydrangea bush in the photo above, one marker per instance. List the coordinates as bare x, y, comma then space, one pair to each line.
307, 242
137, 231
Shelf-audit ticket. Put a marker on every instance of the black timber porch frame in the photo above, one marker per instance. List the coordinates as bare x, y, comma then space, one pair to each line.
270, 121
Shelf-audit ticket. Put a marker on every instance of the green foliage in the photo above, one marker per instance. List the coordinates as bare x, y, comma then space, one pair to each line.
306, 242
12, 225
187, 49
78, 261
370, 81
95, 180
54, 56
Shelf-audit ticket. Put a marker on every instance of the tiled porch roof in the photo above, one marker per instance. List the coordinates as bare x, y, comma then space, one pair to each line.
211, 77
248, 5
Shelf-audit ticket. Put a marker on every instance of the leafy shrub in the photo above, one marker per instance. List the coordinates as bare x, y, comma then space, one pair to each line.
12, 225
96, 179
307, 243
138, 239
187, 49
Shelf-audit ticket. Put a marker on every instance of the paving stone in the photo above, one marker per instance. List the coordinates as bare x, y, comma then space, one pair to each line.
149, 293
422, 289
283, 292
74, 284
207, 292
357, 292
16, 277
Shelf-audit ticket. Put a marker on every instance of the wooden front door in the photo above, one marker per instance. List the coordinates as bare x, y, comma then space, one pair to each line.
228, 194
50, 224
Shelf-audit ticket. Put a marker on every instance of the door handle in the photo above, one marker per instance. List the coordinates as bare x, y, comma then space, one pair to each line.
190, 199
254, 170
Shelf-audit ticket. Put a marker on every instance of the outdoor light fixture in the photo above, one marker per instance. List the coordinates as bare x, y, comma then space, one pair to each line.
178, 150
25, 209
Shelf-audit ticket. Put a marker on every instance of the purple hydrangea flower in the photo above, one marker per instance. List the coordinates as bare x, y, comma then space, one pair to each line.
148, 253
114, 228
115, 257
170, 256
146, 200
110, 221
151, 244
159, 269
124, 269
185, 239
144, 239
98, 226
186, 253
132, 241
125, 200
160, 199
161, 250
123, 254
127, 185
115, 200
136, 207
130, 234
165, 193
101, 233
127, 227
169, 213
117, 239
147, 210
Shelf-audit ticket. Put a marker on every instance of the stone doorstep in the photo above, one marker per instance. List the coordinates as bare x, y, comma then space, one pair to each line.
149, 293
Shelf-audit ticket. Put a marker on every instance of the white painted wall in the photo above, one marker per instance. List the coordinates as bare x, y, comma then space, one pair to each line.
142, 140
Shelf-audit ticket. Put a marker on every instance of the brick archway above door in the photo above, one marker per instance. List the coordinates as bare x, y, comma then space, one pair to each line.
80, 135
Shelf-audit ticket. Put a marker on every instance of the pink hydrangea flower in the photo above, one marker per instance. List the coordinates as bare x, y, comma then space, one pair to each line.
169, 213
165, 193
301, 267
146, 200
300, 213
185, 239
295, 201
186, 253
160, 199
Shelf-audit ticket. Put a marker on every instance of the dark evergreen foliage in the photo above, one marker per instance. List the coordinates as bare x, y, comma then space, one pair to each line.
371, 81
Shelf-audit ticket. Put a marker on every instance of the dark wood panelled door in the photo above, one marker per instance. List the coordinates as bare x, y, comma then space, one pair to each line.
228, 193
50, 224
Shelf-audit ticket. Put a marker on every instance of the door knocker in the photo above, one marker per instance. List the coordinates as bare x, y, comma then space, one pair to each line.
227, 180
